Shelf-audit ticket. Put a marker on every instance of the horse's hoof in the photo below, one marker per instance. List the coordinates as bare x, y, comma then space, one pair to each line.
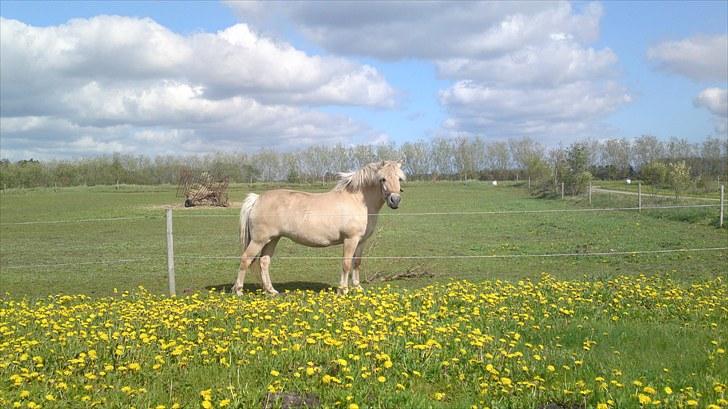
342, 290
237, 290
358, 288
273, 293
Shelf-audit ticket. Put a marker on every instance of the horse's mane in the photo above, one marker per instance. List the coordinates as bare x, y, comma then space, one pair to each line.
358, 179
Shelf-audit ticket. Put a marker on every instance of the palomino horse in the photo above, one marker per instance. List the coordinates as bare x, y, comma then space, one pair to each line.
345, 215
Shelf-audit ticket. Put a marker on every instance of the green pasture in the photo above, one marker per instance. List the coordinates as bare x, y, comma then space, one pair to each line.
70, 254
710, 192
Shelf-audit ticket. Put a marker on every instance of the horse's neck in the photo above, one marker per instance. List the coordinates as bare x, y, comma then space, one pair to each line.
371, 197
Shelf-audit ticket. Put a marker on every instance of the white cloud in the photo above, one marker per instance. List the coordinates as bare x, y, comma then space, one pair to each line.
233, 61
715, 100
701, 58
112, 82
504, 112
556, 63
433, 30
517, 67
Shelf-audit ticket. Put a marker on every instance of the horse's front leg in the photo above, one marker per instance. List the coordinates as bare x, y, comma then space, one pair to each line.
357, 262
350, 246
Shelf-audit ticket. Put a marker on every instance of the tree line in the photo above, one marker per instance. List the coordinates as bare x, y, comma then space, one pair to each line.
439, 158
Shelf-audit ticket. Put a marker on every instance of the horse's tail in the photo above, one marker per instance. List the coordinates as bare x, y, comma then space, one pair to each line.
248, 204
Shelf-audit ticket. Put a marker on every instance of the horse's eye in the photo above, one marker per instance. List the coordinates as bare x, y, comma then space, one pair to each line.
400, 179
383, 180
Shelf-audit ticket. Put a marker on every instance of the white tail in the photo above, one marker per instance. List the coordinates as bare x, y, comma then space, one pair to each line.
248, 204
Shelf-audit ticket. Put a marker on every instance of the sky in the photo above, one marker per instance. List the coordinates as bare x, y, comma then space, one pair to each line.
80, 79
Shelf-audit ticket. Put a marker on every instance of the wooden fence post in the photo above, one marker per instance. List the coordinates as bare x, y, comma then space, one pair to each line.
170, 254
562, 190
639, 196
722, 205
590, 191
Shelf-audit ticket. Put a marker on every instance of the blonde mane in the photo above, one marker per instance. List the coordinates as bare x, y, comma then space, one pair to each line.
368, 175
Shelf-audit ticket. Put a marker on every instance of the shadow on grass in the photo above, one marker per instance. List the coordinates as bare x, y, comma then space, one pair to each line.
281, 287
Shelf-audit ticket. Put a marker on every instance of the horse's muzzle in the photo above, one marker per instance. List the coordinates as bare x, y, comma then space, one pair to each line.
393, 200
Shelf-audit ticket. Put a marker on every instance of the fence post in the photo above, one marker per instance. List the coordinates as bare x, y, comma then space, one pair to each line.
529, 183
639, 196
590, 188
722, 204
170, 254
562, 190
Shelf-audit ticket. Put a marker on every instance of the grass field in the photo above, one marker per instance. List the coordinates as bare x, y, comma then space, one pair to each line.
42, 259
620, 331
713, 192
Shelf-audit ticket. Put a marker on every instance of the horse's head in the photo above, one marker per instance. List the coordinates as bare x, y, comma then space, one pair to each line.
390, 178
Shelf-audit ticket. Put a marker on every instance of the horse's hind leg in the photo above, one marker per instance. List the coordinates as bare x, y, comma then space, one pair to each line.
246, 259
355, 270
265, 257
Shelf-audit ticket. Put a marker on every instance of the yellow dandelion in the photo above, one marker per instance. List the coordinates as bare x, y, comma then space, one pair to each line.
644, 399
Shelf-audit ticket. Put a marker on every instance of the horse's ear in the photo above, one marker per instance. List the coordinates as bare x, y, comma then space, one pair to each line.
400, 162
382, 163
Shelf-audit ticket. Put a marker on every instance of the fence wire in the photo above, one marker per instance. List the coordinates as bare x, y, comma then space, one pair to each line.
432, 257
477, 256
386, 214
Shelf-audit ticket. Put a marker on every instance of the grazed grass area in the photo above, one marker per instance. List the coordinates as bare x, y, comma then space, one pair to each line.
706, 215
712, 191
57, 256
627, 342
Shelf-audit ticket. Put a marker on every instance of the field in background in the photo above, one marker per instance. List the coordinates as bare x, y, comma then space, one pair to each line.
709, 192
96, 257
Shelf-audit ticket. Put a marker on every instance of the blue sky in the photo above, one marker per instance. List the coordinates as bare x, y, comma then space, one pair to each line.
209, 76
663, 104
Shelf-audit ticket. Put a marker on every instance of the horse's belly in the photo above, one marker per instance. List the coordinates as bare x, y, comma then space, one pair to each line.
314, 240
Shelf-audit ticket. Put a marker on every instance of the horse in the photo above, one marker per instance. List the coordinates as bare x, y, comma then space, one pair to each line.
346, 215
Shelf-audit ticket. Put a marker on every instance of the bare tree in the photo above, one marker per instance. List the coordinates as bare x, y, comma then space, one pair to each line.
268, 161
499, 157
442, 157
615, 156
679, 148
647, 148
416, 158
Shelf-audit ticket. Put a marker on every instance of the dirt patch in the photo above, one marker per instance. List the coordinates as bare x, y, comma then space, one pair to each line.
181, 206
562, 406
380, 276
291, 400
